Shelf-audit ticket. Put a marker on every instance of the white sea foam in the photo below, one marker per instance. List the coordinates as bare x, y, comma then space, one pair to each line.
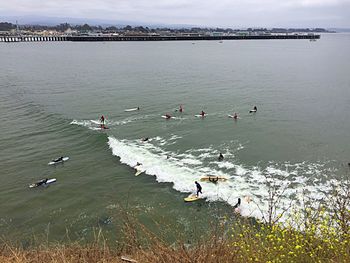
249, 183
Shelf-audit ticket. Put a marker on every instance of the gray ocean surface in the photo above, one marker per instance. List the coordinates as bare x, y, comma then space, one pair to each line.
52, 94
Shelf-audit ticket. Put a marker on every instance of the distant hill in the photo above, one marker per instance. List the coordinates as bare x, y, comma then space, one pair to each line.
51, 21
340, 30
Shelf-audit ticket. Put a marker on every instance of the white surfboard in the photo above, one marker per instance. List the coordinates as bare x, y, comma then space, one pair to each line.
132, 109
96, 122
233, 117
251, 111
61, 161
138, 172
50, 181
164, 117
200, 115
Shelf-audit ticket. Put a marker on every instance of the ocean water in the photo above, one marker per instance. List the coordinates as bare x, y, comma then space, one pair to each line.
52, 94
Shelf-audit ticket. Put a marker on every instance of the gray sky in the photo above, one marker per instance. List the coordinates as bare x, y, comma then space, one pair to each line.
226, 13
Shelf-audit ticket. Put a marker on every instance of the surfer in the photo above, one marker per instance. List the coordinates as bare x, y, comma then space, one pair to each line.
138, 108
203, 113
181, 109
255, 109
137, 165
145, 139
167, 116
102, 120
41, 182
199, 188
60, 159
214, 179
221, 157
238, 203
235, 116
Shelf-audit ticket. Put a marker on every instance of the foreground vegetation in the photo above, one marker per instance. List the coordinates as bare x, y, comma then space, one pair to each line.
317, 234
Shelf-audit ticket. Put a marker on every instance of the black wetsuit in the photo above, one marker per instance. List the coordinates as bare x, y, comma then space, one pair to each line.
238, 203
41, 182
199, 188
214, 179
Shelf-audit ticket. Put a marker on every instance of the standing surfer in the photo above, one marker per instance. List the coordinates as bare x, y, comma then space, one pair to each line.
199, 188
102, 120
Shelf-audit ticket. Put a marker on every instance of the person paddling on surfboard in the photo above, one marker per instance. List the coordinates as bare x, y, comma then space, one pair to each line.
58, 159
235, 116
255, 109
214, 179
167, 116
199, 188
42, 182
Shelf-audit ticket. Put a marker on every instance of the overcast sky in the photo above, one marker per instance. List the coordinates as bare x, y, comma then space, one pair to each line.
225, 13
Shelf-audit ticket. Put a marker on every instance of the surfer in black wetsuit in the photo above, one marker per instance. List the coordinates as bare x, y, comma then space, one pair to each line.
214, 179
202, 113
145, 139
199, 188
238, 203
102, 120
221, 157
41, 182
58, 159
167, 116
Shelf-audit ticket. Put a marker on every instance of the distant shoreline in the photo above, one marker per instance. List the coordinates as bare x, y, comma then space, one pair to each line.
36, 38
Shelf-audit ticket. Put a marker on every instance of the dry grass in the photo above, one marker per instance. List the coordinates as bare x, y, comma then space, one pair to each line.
315, 235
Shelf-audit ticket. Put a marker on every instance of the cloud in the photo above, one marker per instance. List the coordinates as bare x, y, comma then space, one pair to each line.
195, 12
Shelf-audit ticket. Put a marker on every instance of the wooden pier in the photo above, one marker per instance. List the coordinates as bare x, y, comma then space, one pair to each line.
10, 39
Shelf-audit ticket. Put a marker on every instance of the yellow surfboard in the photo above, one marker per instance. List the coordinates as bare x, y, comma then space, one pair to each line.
191, 198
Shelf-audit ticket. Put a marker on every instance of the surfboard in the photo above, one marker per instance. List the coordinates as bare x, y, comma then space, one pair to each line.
96, 122
191, 198
200, 115
132, 109
233, 117
138, 172
213, 177
63, 160
50, 181
252, 111
164, 117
